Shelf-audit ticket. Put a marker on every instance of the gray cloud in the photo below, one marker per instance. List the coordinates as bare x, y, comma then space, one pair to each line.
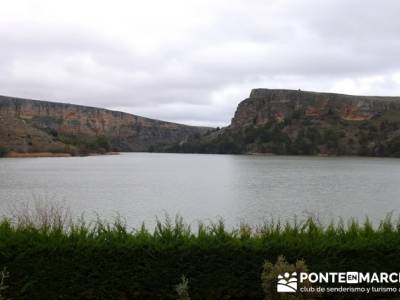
193, 61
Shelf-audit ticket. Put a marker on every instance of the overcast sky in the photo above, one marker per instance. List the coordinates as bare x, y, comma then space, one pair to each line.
194, 61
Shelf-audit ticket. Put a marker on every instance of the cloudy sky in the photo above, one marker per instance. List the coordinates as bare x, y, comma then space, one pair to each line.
193, 61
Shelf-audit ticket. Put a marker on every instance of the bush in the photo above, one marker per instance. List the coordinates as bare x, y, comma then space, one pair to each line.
271, 273
84, 146
101, 144
50, 258
394, 147
3, 151
182, 289
3, 276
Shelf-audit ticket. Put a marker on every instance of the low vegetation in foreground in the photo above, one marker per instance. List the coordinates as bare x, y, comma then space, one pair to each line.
50, 257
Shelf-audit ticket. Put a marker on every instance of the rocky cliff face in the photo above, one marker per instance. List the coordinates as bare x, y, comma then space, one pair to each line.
307, 123
265, 105
32, 126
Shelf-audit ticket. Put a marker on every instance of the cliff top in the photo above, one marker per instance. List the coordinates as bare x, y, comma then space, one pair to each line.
21, 101
264, 92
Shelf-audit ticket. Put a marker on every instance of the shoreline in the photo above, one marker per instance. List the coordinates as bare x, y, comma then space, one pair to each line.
50, 154
13, 154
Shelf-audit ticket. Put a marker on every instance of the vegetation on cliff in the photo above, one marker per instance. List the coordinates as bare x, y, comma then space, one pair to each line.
306, 123
41, 126
49, 257
269, 121
295, 137
76, 145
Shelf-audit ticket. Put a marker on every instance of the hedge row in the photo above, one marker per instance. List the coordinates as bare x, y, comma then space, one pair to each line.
79, 261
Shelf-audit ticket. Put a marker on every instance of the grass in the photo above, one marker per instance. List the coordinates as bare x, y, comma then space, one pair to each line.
46, 252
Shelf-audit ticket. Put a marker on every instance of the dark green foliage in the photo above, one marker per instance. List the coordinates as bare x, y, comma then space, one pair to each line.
84, 146
331, 138
303, 145
3, 151
4, 275
251, 134
393, 147
300, 135
51, 261
314, 135
225, 144
103, 143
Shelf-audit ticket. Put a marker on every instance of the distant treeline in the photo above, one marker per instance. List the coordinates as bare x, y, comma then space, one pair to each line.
50, 259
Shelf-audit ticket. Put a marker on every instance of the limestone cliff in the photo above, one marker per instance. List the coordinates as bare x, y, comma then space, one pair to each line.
307, 123
38, 126
265, 105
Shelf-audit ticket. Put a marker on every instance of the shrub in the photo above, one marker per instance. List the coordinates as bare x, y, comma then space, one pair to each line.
103, 143
182, 289
85, 146
394, 147
269, 278
3, 276
3, 151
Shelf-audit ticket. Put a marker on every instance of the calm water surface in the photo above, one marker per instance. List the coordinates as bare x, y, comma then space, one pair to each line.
141, 186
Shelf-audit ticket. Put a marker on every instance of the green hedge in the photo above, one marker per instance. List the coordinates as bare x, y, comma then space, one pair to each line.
110, 262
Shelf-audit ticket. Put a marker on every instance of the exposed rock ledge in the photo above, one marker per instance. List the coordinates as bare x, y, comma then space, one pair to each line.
41, 126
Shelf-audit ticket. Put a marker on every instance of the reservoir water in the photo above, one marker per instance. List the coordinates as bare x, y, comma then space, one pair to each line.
252, 189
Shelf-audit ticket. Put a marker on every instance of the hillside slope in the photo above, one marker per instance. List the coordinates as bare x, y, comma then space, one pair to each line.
41, 126
306, 123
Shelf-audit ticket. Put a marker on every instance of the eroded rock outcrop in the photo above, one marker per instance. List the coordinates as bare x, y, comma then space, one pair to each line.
307, 123
36, 126
265, 105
